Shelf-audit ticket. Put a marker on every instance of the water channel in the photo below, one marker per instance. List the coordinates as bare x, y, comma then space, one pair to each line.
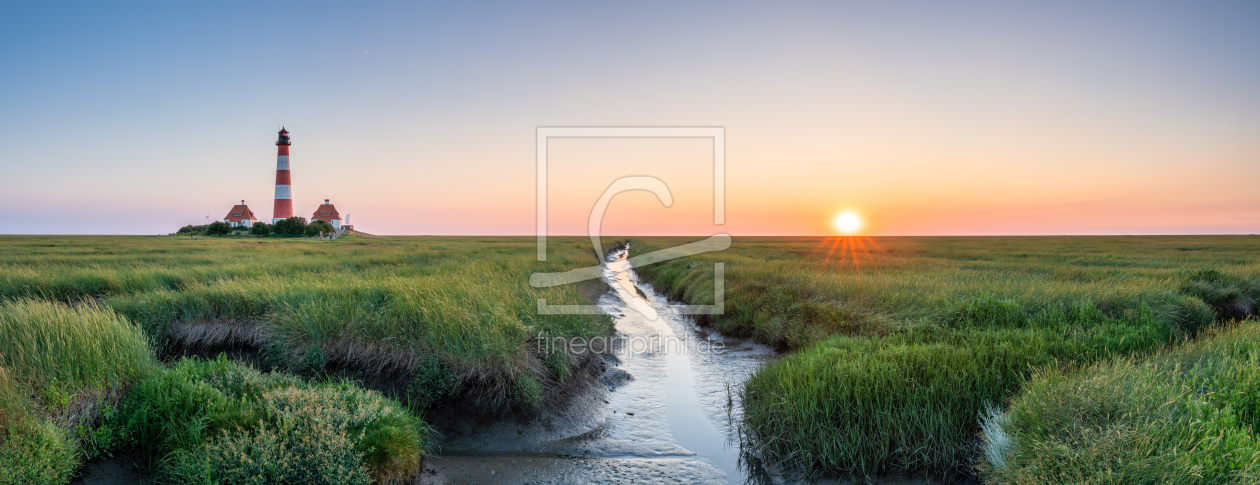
667, 412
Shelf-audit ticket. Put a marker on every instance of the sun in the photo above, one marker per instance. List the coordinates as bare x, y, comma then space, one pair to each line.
848, 222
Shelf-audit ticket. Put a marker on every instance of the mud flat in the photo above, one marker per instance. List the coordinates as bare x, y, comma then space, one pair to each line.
115, 470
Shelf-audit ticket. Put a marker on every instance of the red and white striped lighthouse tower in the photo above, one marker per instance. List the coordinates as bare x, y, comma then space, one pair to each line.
284, 187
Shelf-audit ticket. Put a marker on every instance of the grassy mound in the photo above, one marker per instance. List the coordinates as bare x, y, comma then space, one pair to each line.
222, 422
900, 343
1189, 416
59, 367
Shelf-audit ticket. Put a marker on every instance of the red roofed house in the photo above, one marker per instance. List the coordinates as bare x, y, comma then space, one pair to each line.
240, 216
328, 213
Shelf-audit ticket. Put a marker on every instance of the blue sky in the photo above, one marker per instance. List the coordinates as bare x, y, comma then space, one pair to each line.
925, 117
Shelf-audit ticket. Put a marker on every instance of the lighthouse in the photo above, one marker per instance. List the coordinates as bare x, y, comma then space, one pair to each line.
284, 187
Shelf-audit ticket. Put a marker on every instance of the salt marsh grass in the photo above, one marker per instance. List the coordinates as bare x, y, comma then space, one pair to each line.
52, 345
368, 305
1186, 416
898, 344
81, 382
895, 347
58, 366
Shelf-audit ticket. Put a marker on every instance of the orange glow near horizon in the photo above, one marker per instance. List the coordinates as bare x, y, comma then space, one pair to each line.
1064, 118
846, 251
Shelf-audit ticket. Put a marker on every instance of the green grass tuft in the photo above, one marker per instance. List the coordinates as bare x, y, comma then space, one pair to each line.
1230, 296
61, 349
432, 385
58, 367
1188, 416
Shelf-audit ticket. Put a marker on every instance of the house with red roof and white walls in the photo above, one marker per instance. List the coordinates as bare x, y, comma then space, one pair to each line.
328, 213
240, 216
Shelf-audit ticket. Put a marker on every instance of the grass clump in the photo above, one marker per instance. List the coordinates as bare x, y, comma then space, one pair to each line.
59, 349
223, 422
1187, 416
59, 367
432, 385
1230, 296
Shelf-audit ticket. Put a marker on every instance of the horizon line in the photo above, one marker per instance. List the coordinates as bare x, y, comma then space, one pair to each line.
704, 235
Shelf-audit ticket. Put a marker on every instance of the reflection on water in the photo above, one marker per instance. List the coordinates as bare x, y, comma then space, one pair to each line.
673, 421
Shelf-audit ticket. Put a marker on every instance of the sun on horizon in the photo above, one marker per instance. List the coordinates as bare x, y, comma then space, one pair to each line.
848, 222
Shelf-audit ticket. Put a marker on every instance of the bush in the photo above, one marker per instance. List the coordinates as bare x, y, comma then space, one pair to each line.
223, 422
218, 228
1188, 416
37, 453
259, 229
319, 228
191, 230
291, 227
288, 453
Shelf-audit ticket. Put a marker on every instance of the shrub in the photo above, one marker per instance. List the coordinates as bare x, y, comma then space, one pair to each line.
319, 228
259, 229
287, 453
170, 412
37, 453
191, 229
291, 227
218, 228
222, 422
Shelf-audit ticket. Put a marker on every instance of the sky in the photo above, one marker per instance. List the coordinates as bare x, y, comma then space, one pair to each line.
924, 118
